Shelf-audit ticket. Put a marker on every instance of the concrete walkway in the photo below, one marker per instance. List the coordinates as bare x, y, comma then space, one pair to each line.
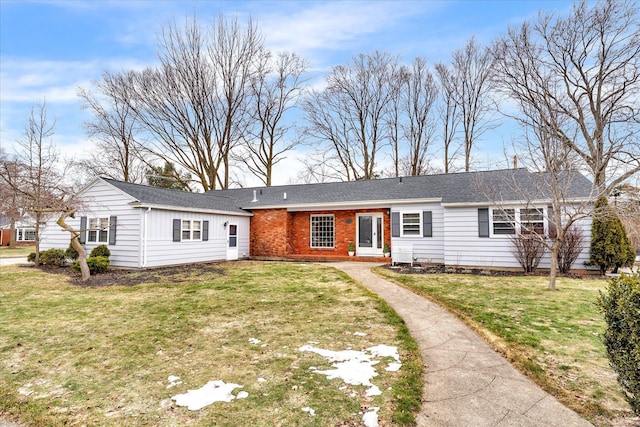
467, 383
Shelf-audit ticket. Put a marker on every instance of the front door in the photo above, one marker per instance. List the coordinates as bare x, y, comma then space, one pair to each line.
232, 242
370, 237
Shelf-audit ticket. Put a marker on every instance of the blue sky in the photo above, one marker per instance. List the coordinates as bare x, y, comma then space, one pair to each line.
50, 48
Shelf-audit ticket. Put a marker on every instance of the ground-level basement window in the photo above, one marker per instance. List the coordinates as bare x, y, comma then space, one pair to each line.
322, 231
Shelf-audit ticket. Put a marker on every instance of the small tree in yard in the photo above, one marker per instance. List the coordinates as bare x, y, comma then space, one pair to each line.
621, 308
570, 249
528, 250
610, 245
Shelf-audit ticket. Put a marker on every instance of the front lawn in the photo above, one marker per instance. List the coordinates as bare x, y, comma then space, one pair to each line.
112, 355
552, 336
17, 252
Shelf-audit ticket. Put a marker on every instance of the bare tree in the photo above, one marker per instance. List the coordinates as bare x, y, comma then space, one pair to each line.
11, 200
351, 113
34, 176
468, 84
579, 77
115, 127
275, 90
417, 97
194, 103
449, 117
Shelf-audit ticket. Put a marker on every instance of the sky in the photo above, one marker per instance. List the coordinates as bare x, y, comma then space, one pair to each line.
48, 49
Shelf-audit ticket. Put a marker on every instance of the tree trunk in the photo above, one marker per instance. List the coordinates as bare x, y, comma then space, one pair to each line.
82, 254
553, 271
12, 231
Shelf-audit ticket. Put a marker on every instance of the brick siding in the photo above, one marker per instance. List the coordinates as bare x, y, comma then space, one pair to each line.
278, 233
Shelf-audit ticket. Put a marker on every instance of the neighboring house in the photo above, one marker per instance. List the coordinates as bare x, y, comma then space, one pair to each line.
25, 230
453, 219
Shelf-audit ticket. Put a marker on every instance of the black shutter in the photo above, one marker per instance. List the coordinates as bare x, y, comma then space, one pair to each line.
395, 224
427, 224
205, 230
176, 230
83, 230
113, 220
483, 222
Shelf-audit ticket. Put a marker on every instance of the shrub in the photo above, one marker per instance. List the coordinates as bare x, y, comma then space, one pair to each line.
101, 250
621, 308
71, 253
570, 249
610, 245
31, 257
97, 264
52, 257
528, 250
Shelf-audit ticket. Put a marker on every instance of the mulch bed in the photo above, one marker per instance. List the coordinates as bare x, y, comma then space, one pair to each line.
132, 277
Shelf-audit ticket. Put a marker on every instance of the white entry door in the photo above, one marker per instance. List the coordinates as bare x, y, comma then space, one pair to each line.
232, 242
370, 234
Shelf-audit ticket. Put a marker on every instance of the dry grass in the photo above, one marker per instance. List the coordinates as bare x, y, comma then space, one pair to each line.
17, 252
552, 336
101, 356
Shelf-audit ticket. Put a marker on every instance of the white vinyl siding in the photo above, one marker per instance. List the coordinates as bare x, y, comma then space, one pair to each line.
425, 249
156, 248
463, 246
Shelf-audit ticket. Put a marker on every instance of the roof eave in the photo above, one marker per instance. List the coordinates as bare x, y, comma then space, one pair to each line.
187, 209
364, 204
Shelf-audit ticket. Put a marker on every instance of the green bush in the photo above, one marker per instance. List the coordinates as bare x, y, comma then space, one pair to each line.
610, 245
52, 257
97, 264
31, 257
101, 250
71, 253
621, 308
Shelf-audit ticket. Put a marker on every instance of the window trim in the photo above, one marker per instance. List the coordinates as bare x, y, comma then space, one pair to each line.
191, 230
102, 229
312, 240
504, 212
21, 233
417, 231
517, 220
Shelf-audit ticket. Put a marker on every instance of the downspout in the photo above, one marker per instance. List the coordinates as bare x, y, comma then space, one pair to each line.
145, 237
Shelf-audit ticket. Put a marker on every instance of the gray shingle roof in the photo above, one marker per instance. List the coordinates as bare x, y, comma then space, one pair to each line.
472, 187
175, 198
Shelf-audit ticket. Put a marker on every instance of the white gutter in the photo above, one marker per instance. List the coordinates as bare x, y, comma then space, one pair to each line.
519, 202
345, 205
185, 209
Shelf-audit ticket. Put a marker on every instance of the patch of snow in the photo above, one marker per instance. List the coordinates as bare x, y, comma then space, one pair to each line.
360, 334
311, 412
254, 341
370, 419
373, 391
261, 380
393, 367
174, 380
213, 391
242, 395
385, 351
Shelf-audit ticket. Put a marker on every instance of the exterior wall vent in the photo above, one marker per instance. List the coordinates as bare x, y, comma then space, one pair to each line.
285, 195
255, 199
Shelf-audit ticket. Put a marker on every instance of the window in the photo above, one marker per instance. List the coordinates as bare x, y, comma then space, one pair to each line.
25, 234
411, 224
531, 221
504, 221
191, 230
322, 231
98, 230
483, 222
